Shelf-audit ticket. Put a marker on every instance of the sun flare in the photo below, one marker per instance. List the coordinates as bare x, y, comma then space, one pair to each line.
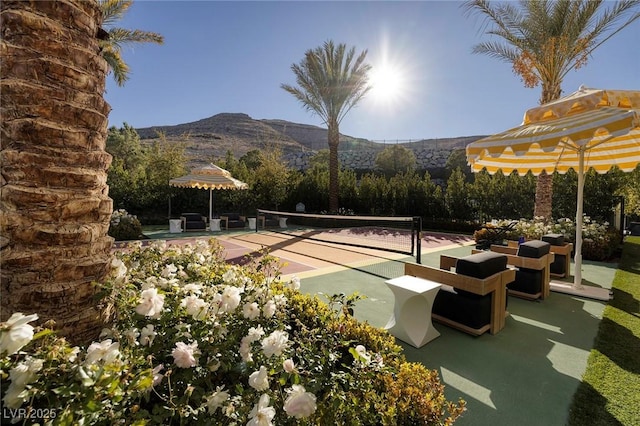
387, 83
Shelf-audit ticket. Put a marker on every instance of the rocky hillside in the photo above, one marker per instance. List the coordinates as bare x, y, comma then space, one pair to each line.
210, 138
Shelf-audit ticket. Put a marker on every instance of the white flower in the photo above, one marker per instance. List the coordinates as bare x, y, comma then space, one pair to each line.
259, 380
299, 403
262, 414
150, 303
169, 271
184, 355
132, 335
104, 351
269, 309
294, 283
25, 372
21, 375
157, 377
251, 310
14, 397
147, 335
15, 333
229, 276
195, 307
255, 333
275, 343
230, 298
118, 270
192, 288
289, 366
362, 352
216, 399
73, 354
245, 349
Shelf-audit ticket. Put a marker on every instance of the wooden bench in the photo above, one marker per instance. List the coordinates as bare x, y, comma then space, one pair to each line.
494, 285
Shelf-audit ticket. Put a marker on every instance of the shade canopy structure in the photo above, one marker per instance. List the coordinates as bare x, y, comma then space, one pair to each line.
590, 128
209, 177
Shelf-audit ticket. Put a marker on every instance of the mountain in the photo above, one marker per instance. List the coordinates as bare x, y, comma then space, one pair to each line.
212, 137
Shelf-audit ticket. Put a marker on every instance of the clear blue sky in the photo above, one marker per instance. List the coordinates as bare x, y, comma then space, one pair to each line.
233, 56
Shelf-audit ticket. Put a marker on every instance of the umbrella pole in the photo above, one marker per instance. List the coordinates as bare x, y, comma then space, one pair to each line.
210, 204
577, 273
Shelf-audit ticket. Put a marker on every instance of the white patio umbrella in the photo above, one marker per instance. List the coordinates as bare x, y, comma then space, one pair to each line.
590, 128
209, 177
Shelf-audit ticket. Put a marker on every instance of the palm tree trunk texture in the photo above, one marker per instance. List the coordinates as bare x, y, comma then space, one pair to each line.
54, 197
334, 167
544, 182
544, 195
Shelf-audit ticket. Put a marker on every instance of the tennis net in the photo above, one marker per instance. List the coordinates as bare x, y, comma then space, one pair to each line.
388, 233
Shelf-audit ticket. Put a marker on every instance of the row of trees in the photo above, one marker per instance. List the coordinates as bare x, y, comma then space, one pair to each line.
139, 175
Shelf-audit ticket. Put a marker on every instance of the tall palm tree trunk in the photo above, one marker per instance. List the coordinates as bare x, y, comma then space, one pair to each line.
544, 196
544, 183
54, 197
334, 167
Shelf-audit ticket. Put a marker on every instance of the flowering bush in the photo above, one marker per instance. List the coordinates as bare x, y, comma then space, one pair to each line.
124, 226
198, 341
598, 240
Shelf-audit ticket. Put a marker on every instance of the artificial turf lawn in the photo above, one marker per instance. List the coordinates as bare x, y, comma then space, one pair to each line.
609, 393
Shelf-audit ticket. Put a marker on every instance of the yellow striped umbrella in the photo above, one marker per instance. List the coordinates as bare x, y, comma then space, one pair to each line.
591, 128
210, 177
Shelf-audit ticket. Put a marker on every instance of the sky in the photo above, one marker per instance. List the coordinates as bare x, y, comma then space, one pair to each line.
233, 57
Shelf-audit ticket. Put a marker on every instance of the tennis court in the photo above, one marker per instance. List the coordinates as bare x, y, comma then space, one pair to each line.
305, 257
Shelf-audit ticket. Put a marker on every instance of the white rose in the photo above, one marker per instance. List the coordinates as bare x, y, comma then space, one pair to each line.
275, 343
169, 271
118, 270
150, 303
259, 380
195, 307
289, 366
262, 414
104, 351
230, 299
147, 334
251, 310
184, 355
294, 283
269, 309
157, 377
216, 399
299, 403
16, 333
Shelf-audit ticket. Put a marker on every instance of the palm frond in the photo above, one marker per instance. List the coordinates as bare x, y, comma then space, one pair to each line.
113, 10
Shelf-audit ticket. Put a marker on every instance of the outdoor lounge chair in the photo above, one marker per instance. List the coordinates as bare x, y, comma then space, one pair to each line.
472, 299
562, 253
193, 222
232, 220
533, 260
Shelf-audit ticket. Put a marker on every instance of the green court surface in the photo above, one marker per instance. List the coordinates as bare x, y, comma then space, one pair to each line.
524, 375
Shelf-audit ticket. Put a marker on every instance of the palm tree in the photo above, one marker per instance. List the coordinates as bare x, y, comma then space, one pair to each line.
331, 83
116, 38
544, 40
54, 199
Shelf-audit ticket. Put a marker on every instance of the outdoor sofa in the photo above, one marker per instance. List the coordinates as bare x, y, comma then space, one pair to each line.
532, 260
232, 220
472, 299
193, 222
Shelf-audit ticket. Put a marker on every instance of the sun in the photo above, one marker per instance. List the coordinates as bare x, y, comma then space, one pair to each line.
387, 83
